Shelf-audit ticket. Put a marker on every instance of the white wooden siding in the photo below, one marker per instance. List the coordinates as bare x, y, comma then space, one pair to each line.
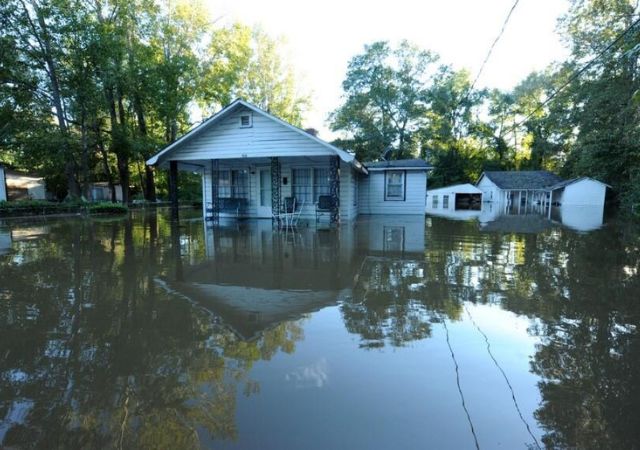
490, 192
265, 138
371, 194
583, 192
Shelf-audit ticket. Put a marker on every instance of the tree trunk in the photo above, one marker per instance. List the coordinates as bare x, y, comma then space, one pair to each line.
44, 42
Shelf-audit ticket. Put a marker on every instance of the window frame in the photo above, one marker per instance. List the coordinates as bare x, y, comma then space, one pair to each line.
250, 116
401, 198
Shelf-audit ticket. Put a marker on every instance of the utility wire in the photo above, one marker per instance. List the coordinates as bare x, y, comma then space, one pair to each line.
464, 404
504, 375
576, 74
486, 59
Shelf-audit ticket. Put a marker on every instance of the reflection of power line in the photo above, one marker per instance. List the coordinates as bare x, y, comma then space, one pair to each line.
513, 395
455, 363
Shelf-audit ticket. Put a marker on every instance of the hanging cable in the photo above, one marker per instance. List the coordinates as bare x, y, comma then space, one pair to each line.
575, 75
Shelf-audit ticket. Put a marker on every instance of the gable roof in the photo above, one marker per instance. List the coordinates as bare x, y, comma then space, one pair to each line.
565, 183
162, 155
520, 180
405, 164
463, 188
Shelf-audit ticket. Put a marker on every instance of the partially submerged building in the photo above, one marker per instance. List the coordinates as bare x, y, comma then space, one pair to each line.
540, 186
454, 198
256, 165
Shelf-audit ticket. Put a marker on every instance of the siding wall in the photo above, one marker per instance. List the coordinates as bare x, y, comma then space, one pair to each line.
265, 138
490, 192
3, 186
371, 194
583, 192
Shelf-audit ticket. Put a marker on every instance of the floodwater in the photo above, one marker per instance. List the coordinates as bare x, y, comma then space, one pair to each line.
396, 332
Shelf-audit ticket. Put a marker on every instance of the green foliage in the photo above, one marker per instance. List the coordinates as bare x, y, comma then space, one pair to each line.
43, 207
90, 90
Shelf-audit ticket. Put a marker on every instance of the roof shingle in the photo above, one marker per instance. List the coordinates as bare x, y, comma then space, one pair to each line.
525, 179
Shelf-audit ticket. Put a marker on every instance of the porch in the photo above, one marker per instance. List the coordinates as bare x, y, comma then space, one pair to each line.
267, 187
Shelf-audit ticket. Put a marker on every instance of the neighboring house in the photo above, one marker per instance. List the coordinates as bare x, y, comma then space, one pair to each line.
579, 192
393, 187
252, 163
3, 185
540, 186
514, 187
21, 186
100, 191
454, 198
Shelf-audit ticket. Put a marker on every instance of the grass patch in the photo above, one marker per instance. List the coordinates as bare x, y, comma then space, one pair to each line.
107, 208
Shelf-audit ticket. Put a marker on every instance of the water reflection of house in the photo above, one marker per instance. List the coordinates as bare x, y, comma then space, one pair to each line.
5, 241
253, 279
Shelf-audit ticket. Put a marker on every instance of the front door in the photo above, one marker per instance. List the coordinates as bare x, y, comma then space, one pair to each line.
264, 192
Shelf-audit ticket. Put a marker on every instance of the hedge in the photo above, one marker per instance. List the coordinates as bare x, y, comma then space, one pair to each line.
42, 207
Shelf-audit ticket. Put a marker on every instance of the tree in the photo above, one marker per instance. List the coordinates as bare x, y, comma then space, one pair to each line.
385, 100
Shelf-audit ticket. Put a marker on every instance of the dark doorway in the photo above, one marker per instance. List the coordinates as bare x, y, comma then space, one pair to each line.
468, 202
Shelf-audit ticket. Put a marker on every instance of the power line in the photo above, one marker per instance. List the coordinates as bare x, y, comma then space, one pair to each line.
576, 74
486, 59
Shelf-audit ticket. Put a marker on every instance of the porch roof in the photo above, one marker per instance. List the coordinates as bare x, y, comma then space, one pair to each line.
164, 155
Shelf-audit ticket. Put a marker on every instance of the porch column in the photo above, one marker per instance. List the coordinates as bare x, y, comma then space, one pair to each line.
215, 195
334, 185
173, 188
276, 180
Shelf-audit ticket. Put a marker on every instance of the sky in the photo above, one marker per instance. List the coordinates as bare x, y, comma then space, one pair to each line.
322, 36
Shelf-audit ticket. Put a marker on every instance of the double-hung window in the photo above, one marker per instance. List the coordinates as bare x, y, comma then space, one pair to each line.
394, 185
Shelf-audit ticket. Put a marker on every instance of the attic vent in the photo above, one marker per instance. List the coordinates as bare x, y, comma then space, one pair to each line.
245, 121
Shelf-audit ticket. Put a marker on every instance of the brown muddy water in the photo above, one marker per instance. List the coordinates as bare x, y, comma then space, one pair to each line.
388, 333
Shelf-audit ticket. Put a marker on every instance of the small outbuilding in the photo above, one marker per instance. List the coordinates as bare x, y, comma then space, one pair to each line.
581, 191
454, 198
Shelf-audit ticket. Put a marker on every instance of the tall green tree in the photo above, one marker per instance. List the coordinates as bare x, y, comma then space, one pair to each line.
385, 100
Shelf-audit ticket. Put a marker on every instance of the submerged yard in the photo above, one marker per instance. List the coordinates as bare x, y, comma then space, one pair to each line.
394, 332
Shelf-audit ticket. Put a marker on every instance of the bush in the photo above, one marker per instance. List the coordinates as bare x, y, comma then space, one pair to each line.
42, 207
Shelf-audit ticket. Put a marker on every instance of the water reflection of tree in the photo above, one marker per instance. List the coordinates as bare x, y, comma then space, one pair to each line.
107, 358
392, 303
581, 293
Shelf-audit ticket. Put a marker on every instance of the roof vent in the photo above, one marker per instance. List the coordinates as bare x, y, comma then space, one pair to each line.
245, 121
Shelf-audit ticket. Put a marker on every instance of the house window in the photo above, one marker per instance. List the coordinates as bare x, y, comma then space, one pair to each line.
246, 121
321, 184
445, 202
301, 185
394, 185
233, 184
434, 201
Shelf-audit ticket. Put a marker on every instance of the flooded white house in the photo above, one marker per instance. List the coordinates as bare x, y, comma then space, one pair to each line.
255, 165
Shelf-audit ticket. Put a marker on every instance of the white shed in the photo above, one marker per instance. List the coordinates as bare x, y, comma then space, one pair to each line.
3, 185
579, 192
456, 197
